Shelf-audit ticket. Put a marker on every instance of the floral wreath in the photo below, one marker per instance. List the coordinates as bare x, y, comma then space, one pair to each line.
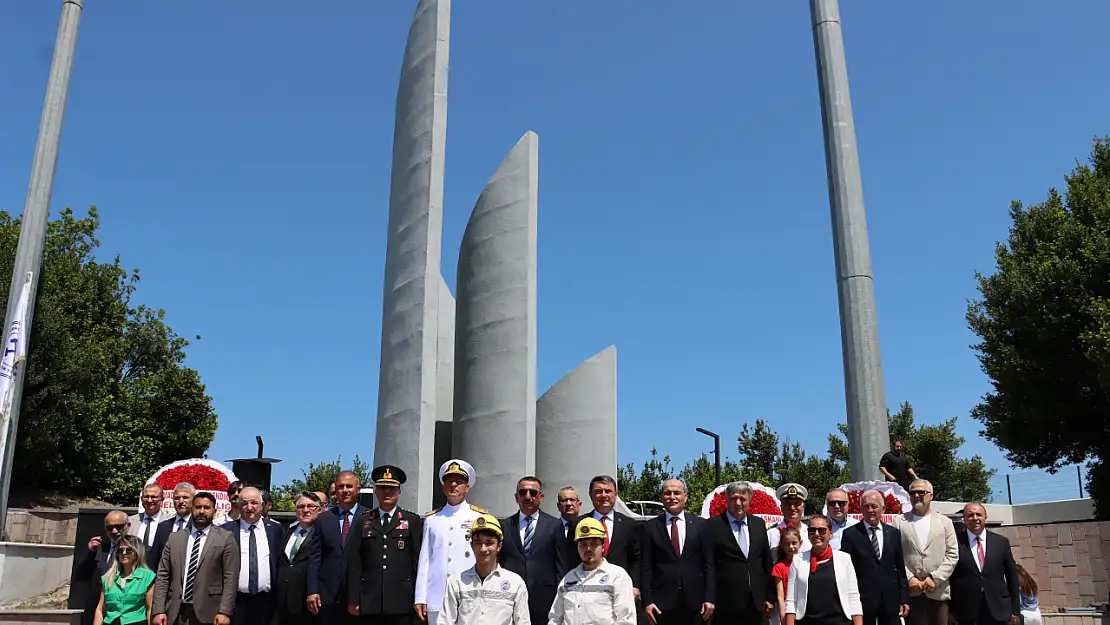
764, 503
895, 498
207, 475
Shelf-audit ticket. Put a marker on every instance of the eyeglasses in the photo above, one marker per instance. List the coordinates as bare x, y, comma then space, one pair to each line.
117, 527
525, 492
308, 506
919, 493
126, 551
820, 531
836, 503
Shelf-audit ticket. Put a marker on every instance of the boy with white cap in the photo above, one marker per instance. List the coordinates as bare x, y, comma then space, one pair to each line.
485, 594
445, 549
594, 592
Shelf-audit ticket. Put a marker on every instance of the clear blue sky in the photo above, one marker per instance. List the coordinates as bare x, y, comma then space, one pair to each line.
239, 153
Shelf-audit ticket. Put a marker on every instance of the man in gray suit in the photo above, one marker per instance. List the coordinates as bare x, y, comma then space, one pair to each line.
198, 575
930, 550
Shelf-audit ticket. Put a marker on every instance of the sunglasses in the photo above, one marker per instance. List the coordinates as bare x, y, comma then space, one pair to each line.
126, 551
525, 492
919, 493
820, 531
836, 503
118, 527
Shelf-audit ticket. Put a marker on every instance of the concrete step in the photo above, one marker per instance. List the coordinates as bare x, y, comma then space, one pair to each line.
40, 617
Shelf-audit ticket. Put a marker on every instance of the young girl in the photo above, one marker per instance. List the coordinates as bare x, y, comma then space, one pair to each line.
790, 544
1030, 605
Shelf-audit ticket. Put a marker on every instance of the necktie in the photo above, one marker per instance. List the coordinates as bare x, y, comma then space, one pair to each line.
297, 538
740, 527
385, 519
875, 542
191, 572
528, 531
605, 524
979, 548
146, 532
346, 525
252, 579
674, 537
180, 524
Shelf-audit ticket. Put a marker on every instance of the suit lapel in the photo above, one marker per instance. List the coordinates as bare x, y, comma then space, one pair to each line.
514, 532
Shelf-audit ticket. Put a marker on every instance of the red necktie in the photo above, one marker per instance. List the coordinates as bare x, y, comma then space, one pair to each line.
605, 524
674, 537
979, 548
346, 525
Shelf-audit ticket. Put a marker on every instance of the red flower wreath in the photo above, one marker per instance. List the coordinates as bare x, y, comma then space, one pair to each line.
199, 475
891, 505
762, 503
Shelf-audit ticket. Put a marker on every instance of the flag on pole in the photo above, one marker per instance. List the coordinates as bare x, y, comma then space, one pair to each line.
15, 350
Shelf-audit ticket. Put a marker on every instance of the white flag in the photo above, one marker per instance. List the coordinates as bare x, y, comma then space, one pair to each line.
14, 351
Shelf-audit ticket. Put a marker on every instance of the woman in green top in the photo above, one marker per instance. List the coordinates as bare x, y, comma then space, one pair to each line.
127, 589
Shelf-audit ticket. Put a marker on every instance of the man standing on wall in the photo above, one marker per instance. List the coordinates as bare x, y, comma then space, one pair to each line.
895, 465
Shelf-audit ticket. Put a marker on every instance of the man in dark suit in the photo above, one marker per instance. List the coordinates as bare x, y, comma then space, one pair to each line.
742, 561
259, 545
622, 544
384, 549
336, 526
679, 583
985, 581
876, 550
299, 564
535, 548
183, 507
98, 559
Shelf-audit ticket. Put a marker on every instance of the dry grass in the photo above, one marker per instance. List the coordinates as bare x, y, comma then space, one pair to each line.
54, 600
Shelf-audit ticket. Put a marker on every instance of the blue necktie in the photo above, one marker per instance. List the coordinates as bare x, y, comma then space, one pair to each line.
528, 531
252, 580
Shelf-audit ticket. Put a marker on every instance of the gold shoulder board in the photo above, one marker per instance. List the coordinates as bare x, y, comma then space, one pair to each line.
477, 509
433, 511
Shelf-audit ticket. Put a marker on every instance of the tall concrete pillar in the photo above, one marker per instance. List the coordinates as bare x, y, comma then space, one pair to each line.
445, 389
407, 385
576, 428
495, 332
868, 433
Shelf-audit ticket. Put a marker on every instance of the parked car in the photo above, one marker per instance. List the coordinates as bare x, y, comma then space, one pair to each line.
646, 509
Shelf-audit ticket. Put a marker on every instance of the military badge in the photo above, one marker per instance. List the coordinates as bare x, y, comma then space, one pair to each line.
604, 579
505, 586
403, 524
401, 544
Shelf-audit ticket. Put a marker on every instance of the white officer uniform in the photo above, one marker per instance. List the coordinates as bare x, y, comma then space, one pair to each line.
502, 599
602, 596
445, 549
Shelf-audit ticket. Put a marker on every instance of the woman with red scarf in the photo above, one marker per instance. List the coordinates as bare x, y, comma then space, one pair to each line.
822, 589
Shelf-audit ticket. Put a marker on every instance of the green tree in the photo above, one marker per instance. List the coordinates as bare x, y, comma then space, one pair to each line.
700, 478
317, 477
1043, 323
646, 485
759, 448
107, 398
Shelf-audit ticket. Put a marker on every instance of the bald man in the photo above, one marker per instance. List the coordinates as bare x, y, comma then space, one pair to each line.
98, 559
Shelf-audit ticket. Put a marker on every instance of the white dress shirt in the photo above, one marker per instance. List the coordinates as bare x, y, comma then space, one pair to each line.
500, 599
188, 553
607, 523
300, 531
972, 541
138, 529
262, 544
743, 534
681, 528
353, 513
878, 535
535, 519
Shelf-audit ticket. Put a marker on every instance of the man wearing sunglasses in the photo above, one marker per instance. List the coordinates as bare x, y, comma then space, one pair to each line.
931, 551
534, 547
98, 559
836, 508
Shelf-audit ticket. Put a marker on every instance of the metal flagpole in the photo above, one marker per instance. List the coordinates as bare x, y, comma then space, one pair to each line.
32, 233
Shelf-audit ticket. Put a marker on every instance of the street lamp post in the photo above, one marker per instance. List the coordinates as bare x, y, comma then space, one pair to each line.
716, 454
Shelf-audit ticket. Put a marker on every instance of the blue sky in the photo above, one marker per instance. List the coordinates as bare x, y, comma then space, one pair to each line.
239, 154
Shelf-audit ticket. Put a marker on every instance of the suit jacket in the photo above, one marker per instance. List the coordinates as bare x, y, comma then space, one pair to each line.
136, 529
741, 581
274, 533
217, 579
382, 566
882, 581
293, 575
847, 588
937, 557
161, 535
997, 583
333, 554
664, 572
624, 545
92, 569
544, 566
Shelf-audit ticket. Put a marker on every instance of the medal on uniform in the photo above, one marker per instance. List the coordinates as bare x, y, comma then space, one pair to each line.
401, 544
403, 524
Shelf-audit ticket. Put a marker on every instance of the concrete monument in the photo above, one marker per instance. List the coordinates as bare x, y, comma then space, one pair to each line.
495, 332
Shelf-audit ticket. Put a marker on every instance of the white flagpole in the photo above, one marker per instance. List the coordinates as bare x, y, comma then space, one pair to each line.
15, 351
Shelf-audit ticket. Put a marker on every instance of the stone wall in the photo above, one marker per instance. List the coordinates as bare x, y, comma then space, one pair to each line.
44, 527
1070, 561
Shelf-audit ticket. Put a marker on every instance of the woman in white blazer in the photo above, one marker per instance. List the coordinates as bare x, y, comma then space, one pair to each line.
822, 589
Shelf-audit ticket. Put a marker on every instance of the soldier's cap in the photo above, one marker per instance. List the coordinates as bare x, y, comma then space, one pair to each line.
487, 523
589, 528
388, 475
458, 467
792, 490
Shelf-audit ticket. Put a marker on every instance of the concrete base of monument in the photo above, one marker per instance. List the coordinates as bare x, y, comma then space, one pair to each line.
28, 570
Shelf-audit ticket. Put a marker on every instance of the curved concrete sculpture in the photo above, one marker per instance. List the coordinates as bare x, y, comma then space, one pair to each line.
495, 332
407, 385
445, 389
576, 428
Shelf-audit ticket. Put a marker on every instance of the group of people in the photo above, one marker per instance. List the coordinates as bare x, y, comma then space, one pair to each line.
342, 564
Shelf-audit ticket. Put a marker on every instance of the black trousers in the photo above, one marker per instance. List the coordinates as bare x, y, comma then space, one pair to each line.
880, 618
256, 609
750, 616
388, 619
679, 614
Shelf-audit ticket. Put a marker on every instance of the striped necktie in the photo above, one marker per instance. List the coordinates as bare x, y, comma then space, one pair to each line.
528, 531
194, 564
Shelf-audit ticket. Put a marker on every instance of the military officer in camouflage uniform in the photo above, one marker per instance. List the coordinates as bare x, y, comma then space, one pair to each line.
383, 549
445, 550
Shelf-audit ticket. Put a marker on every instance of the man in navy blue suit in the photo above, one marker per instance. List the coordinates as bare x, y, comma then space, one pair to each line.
335, 526
260, 546
876, 550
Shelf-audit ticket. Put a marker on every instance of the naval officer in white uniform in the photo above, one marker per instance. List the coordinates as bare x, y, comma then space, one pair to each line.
445, 551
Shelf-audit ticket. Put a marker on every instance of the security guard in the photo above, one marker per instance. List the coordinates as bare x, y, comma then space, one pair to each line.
485, 594
384, 549
445, 551
792, 502
594, 592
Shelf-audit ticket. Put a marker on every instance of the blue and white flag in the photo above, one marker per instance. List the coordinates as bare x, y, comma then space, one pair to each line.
14, 351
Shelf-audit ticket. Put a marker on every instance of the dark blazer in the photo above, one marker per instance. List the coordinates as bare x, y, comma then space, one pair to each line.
333, 556
381, 568
882, 581
217, 580
273, 536
293, 575
161, 536
664, 572
93, 566
997, 583
624, 545
743, 582
544, 566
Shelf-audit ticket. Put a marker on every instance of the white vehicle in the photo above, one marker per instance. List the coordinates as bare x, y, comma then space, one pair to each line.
645, 509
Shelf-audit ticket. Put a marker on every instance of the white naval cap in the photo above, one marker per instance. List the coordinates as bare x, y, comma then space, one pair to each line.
458, 467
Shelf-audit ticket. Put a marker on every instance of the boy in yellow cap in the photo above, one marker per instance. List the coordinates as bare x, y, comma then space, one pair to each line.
485, 594
594, 592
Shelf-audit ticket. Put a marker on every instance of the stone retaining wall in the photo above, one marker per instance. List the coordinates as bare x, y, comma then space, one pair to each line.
45, 527
1070, 561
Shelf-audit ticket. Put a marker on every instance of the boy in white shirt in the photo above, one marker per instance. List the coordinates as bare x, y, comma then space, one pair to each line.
594, 592
485, 594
